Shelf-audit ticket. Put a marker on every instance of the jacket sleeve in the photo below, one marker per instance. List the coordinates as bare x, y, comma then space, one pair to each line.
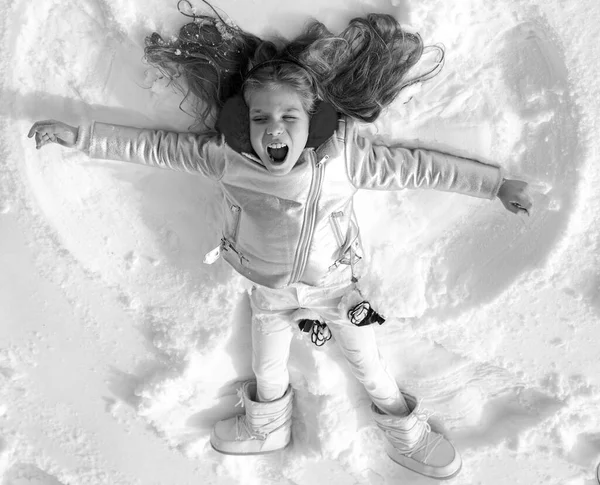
379, 167
189, 152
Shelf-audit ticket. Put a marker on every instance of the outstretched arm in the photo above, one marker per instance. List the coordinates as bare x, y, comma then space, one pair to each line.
187, 152
379, 167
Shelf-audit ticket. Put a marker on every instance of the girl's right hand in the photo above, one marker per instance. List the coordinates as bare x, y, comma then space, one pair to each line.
52, 131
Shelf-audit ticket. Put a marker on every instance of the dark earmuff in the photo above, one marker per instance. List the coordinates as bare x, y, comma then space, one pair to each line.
322, 124
234, 123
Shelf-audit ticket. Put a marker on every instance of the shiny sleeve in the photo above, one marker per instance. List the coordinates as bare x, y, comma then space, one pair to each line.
188, 152
379, 167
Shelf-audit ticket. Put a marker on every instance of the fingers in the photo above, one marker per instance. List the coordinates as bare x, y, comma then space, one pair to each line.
42, 139
42, 126
41, 130
51, 131
525, 200
517, 208
521, 203
38, 141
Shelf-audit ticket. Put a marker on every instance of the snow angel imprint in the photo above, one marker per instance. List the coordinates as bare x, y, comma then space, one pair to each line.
276, 130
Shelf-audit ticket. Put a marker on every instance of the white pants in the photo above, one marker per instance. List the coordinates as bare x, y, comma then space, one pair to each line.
275, 311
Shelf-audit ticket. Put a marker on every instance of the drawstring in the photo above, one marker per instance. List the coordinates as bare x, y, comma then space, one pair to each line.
240, 394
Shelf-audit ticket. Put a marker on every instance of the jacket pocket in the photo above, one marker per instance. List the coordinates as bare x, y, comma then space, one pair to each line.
346, 235
233, 215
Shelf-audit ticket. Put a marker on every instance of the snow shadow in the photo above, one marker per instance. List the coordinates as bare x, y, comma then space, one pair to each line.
586, 450
507, 417
238, 346
39, 105
28, 474
489, 253
175, 206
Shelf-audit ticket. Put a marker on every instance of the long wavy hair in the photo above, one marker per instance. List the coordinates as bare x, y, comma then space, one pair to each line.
360, 71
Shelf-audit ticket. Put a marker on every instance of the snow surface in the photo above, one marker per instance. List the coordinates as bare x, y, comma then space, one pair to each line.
119, 349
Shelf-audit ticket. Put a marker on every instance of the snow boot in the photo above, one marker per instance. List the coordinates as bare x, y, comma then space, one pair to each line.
410, 442
266, 426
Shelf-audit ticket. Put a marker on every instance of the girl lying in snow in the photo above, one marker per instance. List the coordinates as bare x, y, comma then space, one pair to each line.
288, 157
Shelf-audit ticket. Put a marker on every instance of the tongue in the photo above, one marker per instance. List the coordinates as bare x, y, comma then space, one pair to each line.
278, 153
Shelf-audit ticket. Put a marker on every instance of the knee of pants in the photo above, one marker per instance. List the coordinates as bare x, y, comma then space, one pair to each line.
376, 379
367, 368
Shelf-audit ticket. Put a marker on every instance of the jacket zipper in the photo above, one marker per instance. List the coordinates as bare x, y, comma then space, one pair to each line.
225, 244
236, 222
228, 244
343, 243
308, 225
337, 230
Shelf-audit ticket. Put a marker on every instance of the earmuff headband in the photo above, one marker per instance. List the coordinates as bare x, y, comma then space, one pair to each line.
234, 118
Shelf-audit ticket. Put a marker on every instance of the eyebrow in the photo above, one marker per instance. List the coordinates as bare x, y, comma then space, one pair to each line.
258, 110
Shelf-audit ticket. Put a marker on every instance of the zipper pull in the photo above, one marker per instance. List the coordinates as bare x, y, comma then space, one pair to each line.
212, 256
226, 246
323, 160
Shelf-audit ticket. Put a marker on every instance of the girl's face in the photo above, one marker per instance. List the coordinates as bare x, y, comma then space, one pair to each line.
278, 127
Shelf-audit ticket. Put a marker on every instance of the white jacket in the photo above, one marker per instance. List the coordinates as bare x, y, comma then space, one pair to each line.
301, 226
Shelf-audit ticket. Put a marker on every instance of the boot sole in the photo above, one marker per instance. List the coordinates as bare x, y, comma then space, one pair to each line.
250, 454
449, 477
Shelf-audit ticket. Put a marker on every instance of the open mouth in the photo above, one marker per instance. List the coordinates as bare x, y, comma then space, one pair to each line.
277, 152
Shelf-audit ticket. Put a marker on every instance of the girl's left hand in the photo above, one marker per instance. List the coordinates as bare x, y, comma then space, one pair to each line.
515, 196
53, 131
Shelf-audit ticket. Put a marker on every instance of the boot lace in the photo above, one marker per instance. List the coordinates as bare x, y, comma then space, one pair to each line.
243, 429
426, 442
240, 395
426, 445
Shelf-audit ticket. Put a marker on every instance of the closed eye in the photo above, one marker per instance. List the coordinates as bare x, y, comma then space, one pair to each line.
262, 119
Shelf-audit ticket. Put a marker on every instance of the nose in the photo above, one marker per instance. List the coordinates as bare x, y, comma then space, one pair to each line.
275, 129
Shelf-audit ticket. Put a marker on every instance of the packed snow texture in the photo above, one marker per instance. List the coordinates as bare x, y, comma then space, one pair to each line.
119, 349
